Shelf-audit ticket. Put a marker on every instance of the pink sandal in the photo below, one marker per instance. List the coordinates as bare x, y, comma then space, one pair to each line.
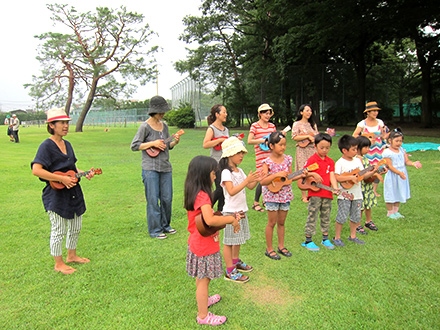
214, 299
212, 319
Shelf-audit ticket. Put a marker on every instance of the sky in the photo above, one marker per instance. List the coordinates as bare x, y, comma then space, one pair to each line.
20, 21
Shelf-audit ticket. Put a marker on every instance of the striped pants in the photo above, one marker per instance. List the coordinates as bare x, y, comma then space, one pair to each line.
61, 227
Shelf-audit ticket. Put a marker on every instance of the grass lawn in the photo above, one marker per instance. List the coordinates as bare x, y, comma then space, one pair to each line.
136, 282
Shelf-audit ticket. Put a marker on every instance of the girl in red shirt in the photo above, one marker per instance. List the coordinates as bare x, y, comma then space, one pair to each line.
203, 259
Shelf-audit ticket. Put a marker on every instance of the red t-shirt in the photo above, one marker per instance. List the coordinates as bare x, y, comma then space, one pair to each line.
199, 245
326, 166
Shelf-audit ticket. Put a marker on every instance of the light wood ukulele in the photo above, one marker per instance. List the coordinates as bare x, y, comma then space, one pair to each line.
153, 151
280, 182
304, 143
310, 183
359, 175
57, 185
205, 230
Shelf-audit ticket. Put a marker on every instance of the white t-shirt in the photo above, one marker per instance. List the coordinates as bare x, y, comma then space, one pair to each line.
344, 166
237, 202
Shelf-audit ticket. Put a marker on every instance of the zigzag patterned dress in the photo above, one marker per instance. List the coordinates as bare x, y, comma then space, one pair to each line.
376, 149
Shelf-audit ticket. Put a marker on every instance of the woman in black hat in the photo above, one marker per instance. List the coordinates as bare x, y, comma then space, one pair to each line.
156, 167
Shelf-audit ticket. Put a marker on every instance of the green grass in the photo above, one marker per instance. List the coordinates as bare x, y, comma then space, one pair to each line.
135, 282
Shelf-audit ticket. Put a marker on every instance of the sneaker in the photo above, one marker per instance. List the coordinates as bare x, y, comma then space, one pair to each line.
356, 240
370, 225
172, 231
328, 244
338, 242
161, 236
241, 266
393, 216
398, 215
361, 230
214, 299
310, 246
212, 319
235, 276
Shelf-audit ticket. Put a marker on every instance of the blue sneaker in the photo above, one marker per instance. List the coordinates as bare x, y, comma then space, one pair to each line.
398, 215
393, 216
327, 244
310, 246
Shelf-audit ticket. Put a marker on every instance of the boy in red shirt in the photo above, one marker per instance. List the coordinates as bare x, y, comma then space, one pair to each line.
320, 201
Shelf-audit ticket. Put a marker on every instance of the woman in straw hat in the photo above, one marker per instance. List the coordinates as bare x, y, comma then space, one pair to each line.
157, 171
375, 129
258, 133
65, 207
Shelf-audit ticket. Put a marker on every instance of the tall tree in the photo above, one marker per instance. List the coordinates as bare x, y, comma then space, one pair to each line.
101, 44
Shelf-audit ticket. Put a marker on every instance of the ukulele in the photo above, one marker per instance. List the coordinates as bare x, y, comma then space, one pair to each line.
280, 182
359, 174
310, 183
304, 143
380, 171
205, 230
153, 151
57, 185
265, 145
218, 147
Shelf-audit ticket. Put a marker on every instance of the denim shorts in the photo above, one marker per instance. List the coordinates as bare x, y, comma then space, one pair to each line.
270, 206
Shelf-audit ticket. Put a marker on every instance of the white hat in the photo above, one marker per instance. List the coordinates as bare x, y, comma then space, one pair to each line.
264, 107
232, 146
57, 114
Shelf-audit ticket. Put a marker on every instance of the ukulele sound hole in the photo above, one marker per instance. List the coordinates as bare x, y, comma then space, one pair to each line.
283, 179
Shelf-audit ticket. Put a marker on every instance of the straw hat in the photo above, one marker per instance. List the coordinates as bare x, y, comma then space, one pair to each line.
57, 114
232, 146
158, 105
264, 107
371, 106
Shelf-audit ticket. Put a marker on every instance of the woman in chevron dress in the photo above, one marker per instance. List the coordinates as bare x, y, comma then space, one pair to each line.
369, 126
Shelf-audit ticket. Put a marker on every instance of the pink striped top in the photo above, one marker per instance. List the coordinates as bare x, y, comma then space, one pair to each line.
259, 133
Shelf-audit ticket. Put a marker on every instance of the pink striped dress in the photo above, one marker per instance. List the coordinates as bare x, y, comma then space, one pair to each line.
259, 133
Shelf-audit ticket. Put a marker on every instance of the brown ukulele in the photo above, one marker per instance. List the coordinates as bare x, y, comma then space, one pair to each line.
310, 183
304, 143
205, 230
57, 185
153, 151
377, 175
280, 182
359, 174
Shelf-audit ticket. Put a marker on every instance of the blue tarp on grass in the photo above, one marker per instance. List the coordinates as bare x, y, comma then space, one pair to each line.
420, 146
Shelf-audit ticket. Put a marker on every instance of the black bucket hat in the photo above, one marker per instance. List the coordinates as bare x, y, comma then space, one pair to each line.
158, 105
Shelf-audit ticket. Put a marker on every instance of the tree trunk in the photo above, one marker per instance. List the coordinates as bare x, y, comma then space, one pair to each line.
401, 114
87, 105
70, 89
426, 117
359, 65
360, 75
425, 67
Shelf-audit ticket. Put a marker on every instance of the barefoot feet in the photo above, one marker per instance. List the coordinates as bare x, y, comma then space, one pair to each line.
77, 260
65, 269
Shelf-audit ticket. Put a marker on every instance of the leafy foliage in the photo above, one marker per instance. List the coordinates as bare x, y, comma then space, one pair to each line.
287, 53
85, 60
183, 117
